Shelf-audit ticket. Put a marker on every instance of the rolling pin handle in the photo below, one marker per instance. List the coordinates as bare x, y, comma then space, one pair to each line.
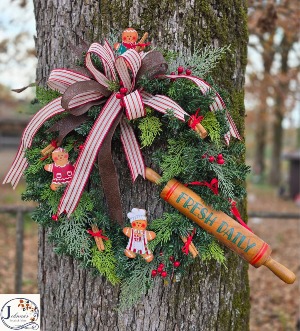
152, 176
280, 271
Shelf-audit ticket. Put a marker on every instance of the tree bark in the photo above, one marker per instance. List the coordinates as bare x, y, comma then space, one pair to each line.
210, 297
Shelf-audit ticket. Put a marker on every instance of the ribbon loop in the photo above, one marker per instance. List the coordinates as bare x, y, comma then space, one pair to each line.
132, 60
61, 79
81, 93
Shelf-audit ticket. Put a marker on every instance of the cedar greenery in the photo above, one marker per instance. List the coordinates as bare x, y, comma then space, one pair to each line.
184, 156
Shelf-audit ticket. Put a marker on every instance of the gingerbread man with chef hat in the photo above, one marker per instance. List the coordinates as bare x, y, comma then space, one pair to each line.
138, 235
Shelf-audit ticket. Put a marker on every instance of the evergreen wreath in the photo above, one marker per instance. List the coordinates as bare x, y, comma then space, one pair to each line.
184, 156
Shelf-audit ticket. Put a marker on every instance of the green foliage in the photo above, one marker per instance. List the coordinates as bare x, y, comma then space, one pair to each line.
136, 285
105, 262
215, 252
213, 128
45, 96
172, 161
203, 61
150, 127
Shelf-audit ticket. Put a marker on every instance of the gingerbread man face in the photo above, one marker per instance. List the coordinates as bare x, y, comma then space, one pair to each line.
60, 157
129, 36
139, 224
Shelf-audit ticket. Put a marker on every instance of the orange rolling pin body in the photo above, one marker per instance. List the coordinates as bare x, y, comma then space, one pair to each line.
233, 235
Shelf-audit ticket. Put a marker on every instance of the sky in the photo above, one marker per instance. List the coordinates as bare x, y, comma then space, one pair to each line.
16, 72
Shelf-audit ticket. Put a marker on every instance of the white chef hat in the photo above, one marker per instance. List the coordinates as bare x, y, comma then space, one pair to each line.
59, 150
137, 214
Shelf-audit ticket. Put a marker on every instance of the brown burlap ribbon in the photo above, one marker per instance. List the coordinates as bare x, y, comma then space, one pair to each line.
153, 64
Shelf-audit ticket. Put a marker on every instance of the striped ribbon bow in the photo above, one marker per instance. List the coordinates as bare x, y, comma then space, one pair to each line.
82, 88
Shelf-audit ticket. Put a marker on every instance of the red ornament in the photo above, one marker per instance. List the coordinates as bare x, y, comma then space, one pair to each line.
188, 72
180, 70
211, 159
54, 217
171, 258
176, 264
164, 274
123, 90
119, 96
220, 161
153, 273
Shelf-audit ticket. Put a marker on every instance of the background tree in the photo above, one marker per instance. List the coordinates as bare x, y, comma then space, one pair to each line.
274, 33
210, 297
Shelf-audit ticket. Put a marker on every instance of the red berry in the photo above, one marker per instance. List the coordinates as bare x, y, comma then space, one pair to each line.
81, 147
176, 264
123, 90
211, 159
204, 156
188, 72
220, 156
173, 73
171, 258
119, 96
220, 161
180, 70
161, 253
159, 270
164, 274
153, 273
54, 217
161, 265
121, 83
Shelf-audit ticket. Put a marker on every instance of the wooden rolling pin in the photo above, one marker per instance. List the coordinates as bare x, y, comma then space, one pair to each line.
229, 232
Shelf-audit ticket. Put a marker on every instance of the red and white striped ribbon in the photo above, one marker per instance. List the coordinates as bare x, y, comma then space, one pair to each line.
84, 98
218, 103
132, 60
20, 163
134, 106
88, 155
108, 64
132, 150
162, 104
61, 79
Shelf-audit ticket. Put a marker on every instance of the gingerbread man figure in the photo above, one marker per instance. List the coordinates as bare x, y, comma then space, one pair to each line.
129, 41
61, 168
138, 235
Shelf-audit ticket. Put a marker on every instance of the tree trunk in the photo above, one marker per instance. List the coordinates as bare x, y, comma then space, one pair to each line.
210, 297
262, 113
279, 110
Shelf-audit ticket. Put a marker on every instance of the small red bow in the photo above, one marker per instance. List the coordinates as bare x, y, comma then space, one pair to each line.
185, 248
213, 185
194, 120
97, 234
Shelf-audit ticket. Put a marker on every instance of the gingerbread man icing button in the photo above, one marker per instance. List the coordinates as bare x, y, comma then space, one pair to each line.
138, 235
61, 168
